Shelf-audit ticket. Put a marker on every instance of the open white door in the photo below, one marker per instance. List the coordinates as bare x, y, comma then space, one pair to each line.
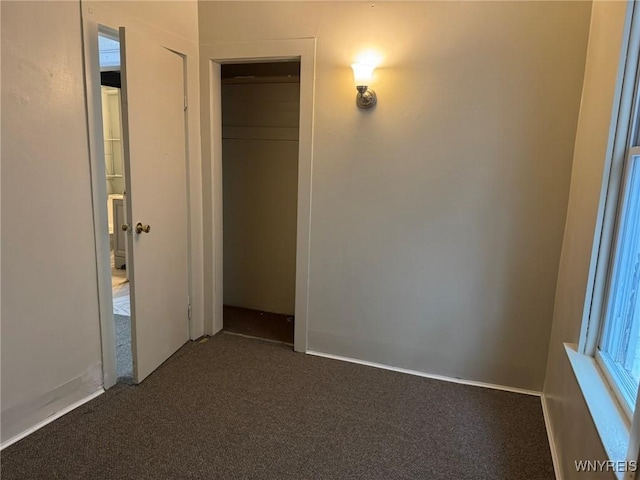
155, 169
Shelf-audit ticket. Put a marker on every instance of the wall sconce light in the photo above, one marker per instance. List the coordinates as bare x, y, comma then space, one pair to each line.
362, 75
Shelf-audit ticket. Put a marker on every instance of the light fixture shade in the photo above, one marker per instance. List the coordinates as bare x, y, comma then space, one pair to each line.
362, 74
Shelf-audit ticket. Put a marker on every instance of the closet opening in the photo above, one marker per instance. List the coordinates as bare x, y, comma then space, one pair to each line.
260, 136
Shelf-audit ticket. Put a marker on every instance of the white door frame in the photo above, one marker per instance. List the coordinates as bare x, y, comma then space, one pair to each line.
103, 13
212, 56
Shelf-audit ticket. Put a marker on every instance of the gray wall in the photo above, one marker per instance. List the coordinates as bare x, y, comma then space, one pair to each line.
437, 218
572, 429
50, 331
260, 184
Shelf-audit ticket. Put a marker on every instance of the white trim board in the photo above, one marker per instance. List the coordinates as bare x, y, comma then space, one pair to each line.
427, 375
51, 418
550, 438
611, 422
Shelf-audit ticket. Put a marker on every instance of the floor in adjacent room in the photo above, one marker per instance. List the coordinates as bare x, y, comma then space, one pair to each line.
120, 290
230, 407
122, 323
255, 323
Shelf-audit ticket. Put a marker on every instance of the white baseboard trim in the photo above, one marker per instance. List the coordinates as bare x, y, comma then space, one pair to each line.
426, 375
50, 419
550, 437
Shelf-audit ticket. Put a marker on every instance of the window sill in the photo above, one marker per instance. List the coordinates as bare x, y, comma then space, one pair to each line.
607, 414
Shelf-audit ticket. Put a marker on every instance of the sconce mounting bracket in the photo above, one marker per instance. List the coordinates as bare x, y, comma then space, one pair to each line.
366, 97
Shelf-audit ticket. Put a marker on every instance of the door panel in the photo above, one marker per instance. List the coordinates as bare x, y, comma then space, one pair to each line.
155, 164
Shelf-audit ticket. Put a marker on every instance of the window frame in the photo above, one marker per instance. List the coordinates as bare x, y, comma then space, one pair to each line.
621, 383
625, 137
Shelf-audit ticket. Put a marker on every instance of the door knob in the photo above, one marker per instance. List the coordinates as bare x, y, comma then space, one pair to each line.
143, 228
125, 227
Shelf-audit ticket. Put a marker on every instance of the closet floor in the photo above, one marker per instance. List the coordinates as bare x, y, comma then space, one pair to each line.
254, 323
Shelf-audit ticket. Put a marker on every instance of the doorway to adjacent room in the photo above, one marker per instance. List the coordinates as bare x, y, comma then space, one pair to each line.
111, 100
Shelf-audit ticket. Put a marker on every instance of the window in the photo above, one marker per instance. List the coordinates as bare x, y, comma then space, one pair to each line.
618, 349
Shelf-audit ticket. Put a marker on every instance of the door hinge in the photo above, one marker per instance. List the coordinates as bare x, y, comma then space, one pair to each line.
189, 307
186, 103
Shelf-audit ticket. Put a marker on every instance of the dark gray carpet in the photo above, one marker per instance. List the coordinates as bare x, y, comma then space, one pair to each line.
124, 359
238, 408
